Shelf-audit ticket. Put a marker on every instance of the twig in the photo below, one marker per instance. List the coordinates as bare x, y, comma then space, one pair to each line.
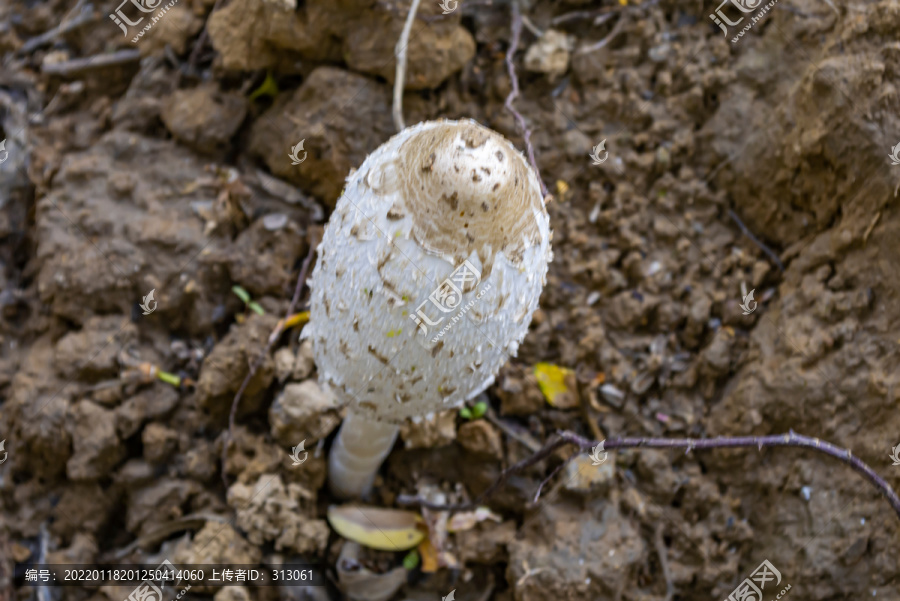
791, 439
517, 467
537, 494
757, 241
194, 521
660, 545
609, 37
526, 440
279, 327
98, 61
198, 46
588, 395
579, 14
400, 77
516, 30
535, 31
86, 16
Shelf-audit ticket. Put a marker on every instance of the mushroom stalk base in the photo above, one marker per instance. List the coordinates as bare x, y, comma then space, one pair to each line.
358, 451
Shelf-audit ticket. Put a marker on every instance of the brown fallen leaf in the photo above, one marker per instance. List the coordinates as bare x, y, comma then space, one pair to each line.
467, 520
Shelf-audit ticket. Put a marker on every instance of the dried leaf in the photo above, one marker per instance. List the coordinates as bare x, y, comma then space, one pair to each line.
429, 557
376, 528
467, 520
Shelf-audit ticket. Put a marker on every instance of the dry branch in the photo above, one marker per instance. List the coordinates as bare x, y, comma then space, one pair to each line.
791, 439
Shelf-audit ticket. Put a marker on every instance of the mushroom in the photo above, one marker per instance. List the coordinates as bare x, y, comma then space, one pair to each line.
428, 273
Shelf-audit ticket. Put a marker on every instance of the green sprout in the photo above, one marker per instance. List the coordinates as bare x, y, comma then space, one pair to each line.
269, 87
475, 412
245, 298
411, 561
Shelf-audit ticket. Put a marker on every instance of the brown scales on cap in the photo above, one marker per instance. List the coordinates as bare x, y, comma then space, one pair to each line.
466, 194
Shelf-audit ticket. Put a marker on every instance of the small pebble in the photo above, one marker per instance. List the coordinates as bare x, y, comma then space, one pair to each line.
659, 53
611, 393
275, 221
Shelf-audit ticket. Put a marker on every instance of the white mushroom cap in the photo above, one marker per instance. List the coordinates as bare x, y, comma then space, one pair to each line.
430, 199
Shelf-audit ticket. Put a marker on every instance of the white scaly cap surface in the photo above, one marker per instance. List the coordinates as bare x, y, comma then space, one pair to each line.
434, 196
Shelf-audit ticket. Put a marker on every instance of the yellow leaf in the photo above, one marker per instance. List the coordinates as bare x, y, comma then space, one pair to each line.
429, 557
376, 528
557, 384
297, 319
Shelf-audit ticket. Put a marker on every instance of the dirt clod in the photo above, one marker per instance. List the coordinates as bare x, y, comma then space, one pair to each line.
303, 412
204, 118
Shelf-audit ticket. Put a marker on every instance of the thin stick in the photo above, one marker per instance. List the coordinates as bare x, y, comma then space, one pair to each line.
279, 327
198, 46
579, 14
525, 439
791, 439
617, 28
660, 545
86, 16
771, 254
537, 494
97, 61
400, 77
516, 31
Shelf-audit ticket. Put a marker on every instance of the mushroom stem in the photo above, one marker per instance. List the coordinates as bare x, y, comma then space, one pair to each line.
358, 451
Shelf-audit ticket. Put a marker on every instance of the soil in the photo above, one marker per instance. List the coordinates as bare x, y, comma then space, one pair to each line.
759, 163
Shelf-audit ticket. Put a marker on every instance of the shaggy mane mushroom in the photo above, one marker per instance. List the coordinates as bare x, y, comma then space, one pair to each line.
428, 274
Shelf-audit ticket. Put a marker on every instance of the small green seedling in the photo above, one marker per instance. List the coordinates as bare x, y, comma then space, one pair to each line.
269, 87
245, 297
411, 561
475, 412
